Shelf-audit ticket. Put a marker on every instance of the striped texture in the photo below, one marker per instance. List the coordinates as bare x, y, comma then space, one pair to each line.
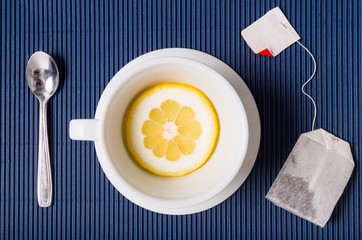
92, 40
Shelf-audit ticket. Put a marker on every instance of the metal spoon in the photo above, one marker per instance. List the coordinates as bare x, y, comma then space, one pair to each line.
43, 79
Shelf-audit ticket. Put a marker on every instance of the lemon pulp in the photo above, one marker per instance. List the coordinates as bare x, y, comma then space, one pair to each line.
171, 129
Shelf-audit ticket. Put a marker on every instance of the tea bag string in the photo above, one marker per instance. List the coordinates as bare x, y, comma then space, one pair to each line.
309, 79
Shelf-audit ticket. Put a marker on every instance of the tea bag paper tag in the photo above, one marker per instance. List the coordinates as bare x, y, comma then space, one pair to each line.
313, 177
270, 34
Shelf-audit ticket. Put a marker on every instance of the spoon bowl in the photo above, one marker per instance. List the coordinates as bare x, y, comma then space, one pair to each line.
42, 77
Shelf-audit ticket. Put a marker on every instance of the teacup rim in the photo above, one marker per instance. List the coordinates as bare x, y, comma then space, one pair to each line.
105, 160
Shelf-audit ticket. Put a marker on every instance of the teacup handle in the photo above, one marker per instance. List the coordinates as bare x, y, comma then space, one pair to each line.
83, 129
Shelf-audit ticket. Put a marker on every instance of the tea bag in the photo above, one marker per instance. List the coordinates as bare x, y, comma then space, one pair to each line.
318, 168
313, 177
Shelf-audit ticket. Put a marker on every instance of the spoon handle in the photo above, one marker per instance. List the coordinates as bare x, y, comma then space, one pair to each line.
45, 187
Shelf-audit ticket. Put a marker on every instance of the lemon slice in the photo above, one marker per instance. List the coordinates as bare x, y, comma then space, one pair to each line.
171, 129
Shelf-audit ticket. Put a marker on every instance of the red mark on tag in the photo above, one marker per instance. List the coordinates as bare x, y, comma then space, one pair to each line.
266, 52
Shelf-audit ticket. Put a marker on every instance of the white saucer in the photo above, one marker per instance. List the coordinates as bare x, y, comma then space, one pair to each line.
251, 112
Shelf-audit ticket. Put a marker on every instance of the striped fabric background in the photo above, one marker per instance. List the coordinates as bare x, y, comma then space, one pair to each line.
92, 40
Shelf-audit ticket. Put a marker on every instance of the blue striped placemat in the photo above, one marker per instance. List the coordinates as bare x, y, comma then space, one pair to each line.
92, 40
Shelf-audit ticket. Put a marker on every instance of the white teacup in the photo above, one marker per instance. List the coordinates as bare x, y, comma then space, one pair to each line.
139, 185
